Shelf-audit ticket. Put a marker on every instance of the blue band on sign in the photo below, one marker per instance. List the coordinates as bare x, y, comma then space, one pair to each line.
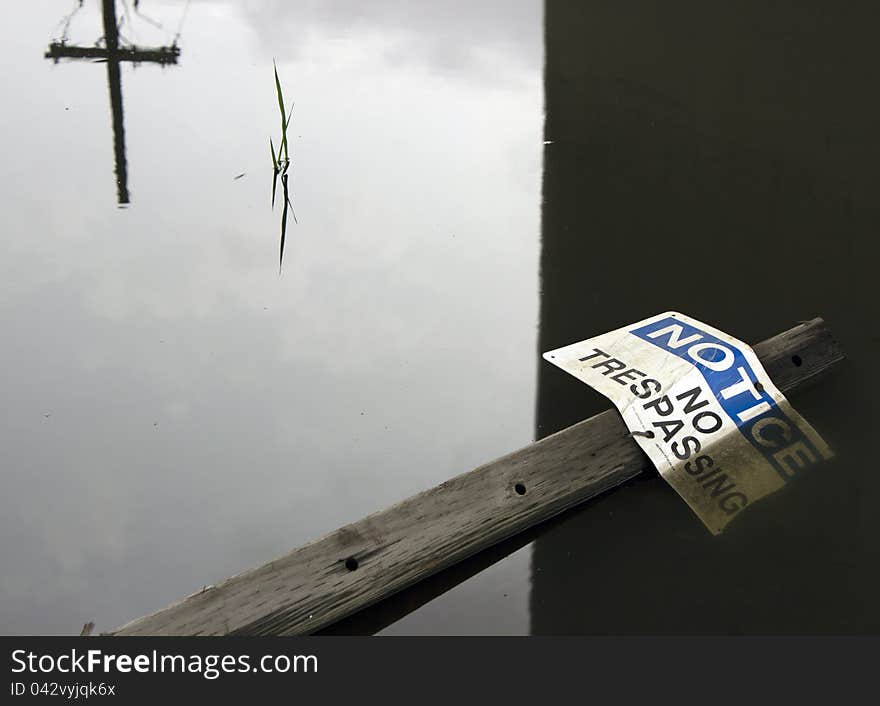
732, 380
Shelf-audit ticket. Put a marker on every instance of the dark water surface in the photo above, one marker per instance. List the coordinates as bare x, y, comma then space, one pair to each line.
722, 159
175, 412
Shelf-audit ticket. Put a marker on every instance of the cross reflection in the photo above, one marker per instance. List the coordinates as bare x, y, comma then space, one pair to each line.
114, 54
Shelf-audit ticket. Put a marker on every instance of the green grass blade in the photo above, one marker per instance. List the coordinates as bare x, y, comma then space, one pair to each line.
283, 224
272, 152
283, 112
290, 203
280, 95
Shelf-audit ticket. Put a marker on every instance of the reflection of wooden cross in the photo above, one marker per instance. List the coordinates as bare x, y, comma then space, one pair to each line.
113, 54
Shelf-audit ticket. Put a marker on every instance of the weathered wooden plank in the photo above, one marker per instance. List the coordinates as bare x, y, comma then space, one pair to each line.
361, 563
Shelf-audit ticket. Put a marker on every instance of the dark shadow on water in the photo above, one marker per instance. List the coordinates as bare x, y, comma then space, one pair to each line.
720, 159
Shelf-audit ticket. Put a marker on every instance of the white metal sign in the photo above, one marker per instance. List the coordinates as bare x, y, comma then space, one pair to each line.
703, 409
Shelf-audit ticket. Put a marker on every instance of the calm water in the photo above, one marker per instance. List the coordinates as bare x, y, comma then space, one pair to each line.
175, 411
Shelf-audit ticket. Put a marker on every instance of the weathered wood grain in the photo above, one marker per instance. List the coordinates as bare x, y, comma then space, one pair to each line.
361, 563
